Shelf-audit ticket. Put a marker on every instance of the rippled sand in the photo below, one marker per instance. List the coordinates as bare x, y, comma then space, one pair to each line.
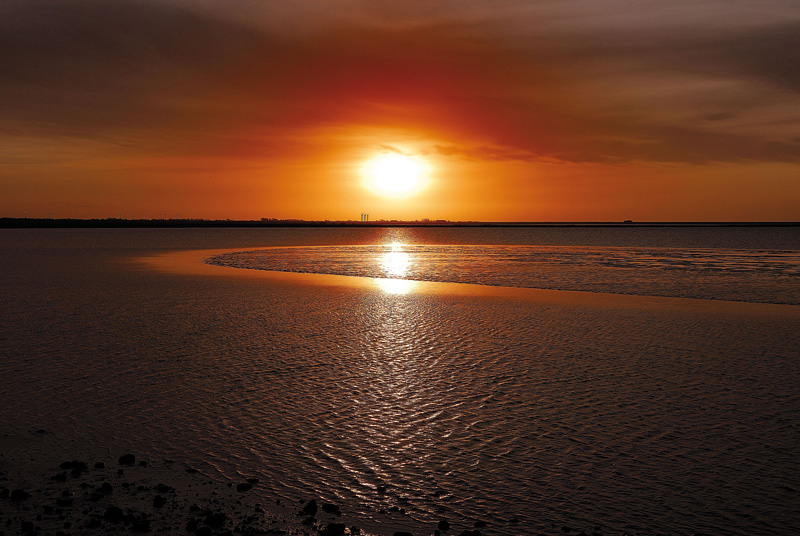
641, 414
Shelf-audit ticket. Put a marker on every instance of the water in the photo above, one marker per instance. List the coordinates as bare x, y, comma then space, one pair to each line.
752, 275
658, 417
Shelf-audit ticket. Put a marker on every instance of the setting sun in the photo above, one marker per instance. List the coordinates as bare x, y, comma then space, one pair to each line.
395, 175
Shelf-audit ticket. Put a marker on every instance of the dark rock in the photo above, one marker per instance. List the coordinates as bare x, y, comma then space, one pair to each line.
381, 489
75, 465
334, 529
120, 472
403, 533
309, 509
99, 465
215, 521
191, 470
127, 459
203, 531
479, 524
28, 526
163, 488
443, 525
331, 509
244, 487
513, 520
159, 501
355, 530
140, 525
253, 481
142, 463
566, 530
60, 477
191, 525
105, 488
309, 521
114, 514
64, 501
470, 533
18, 495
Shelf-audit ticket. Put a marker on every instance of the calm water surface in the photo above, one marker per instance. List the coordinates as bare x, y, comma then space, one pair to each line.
649, 419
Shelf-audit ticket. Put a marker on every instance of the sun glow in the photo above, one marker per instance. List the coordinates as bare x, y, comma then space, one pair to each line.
395, 175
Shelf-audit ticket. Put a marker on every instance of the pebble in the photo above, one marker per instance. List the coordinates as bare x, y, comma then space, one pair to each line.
18, 495
127, 459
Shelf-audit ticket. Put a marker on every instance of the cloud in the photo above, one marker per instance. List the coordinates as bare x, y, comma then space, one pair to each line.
175, 78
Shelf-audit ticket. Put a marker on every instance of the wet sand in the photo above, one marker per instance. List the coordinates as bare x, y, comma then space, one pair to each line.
623, 413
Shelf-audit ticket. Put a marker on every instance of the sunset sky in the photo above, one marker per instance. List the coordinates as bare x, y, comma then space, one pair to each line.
538, 110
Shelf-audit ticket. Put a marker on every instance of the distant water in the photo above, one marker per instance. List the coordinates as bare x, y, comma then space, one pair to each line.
406, 408
752, 275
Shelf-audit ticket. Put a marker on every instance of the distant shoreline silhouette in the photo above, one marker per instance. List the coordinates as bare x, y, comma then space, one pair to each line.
40, 223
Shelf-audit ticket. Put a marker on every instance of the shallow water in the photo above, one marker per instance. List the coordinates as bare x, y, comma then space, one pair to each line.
752, 275
645, 419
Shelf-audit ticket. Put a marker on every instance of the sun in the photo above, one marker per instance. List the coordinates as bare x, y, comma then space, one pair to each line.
395, 175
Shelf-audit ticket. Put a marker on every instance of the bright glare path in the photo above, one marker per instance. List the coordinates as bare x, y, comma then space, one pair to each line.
396, 262
395, 286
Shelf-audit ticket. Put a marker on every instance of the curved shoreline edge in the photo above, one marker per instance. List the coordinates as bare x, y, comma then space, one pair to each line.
192, 262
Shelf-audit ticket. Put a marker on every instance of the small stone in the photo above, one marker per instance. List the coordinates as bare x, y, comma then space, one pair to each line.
105, 488
479, 524
140, 525
443, 525
244, 487
331, 509
99, 465
513, 520
18, 495
114, 514
142, 463
27, 526
159, 501
334, 529
566, 530
203, 531
216, 521
64, 501
381, 489
309, 509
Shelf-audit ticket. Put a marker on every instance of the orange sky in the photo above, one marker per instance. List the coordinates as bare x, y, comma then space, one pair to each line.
525, 111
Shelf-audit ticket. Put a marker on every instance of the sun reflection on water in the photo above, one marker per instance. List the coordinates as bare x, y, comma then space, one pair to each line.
396, 263
396, 286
